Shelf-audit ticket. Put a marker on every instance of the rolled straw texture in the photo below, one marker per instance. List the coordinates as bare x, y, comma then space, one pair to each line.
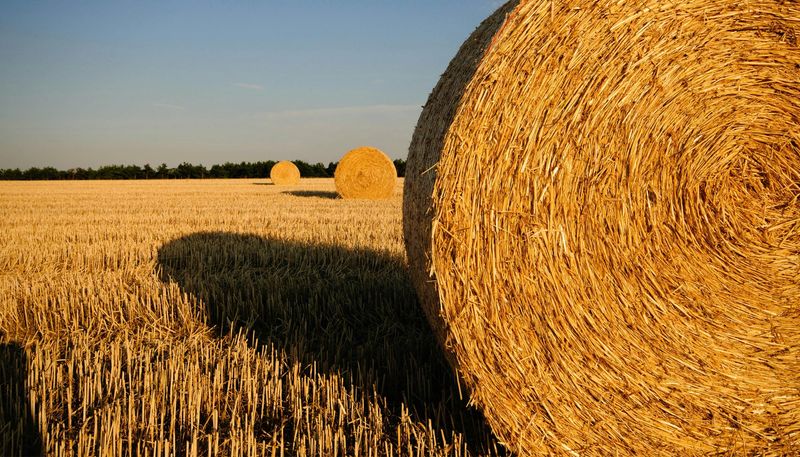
284, 173
365, 173
602, 219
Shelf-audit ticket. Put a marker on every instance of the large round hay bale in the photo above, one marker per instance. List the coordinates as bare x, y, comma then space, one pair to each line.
602, 218
366, 173
284, 173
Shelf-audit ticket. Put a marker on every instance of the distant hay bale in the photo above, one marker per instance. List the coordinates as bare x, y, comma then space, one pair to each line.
365, 173
284, 173
602, 219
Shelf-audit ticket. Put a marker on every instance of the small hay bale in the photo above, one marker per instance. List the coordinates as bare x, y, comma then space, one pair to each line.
365, 173
284, 173
602, 220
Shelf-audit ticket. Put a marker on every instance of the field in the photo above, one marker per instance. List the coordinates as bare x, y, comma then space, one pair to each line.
216, 317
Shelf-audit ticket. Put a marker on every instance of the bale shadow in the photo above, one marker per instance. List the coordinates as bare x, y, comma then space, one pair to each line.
312, 193
19, 434
350, 311
263, 184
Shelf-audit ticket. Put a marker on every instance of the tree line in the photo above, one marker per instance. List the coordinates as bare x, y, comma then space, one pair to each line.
185, 170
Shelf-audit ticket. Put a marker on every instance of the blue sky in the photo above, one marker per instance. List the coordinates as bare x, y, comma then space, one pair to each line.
99, 82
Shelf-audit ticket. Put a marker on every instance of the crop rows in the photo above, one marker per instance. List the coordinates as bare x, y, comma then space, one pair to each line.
222, 317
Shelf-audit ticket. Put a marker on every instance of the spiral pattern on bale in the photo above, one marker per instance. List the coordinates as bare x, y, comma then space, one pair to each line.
365, 173
284, 173
602, 220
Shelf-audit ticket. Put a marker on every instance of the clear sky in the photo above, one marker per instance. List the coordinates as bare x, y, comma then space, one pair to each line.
91, 83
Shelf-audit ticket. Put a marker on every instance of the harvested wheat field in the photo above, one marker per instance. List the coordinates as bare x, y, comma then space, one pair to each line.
228, 317
602, 217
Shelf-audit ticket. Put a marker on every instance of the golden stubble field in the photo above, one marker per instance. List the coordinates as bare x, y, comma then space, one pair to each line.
216, 317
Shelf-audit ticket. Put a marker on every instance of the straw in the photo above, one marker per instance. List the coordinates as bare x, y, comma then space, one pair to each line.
284, 173
365, 173
602, 218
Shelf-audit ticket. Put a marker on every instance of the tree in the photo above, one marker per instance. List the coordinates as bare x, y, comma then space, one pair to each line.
162, 172
331, 168
11, 174
400, 165
252, 170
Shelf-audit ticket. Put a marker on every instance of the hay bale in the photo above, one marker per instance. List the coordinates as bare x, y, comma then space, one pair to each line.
284, 173
365, 173
602, 218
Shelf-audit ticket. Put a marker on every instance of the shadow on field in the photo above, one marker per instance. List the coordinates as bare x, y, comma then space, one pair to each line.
351, 311
312, 193
263, 184
18, 432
